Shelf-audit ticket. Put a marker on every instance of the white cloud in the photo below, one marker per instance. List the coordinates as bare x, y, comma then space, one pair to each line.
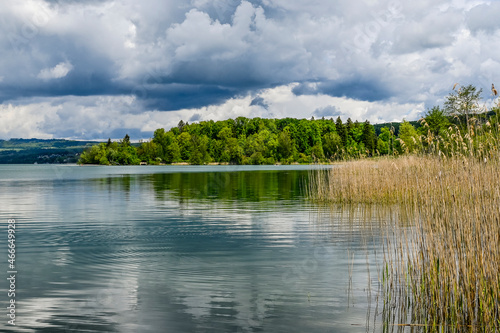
484, 17
22, 122
212, 58
97, 117
60, 70
75, 117
283, 103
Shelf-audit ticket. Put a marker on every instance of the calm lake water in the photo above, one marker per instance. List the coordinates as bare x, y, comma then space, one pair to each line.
183, 249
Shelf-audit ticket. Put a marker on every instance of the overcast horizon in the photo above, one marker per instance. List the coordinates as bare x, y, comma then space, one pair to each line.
97, 69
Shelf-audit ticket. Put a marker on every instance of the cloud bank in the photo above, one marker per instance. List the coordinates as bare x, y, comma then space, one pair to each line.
97, 69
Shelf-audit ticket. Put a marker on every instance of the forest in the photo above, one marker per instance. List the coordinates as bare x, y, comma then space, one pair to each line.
285, 141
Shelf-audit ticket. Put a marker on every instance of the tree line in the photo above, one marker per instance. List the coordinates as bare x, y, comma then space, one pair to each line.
289, 140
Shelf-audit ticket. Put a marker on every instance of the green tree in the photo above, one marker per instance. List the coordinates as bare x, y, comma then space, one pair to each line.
264, 142
173, 153
127, 156
355, 131
408, 134
317, 152
385, 141
285, 145
225, 134
349, 126
185, 145
112, 152
150, 152
257, 158
240, 125
85, 158
234, 151
126, 141
341, 131
199, 154
368, 137
332, 145
437, 121
95, 155
103, 160
159, 138
180, 125
463, 102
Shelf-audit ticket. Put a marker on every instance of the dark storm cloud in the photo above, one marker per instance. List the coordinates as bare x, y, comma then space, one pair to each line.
195, 117
211, 60
76, 84
170, 97
359, 89
214, 50
260, 102
176, 55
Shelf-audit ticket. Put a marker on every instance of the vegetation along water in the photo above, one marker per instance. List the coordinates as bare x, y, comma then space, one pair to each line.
442, 273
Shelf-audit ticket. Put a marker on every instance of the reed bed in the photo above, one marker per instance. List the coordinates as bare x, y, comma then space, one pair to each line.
442, 274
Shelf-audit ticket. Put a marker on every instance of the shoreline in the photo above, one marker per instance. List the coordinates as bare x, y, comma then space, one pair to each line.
208, 164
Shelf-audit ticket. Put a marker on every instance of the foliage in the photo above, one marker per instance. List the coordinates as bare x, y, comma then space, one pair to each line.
268, 141
436, 120
442, 276
117, 153
369, 138
463, 102
332, 145
242, 141
385, 141
408, 138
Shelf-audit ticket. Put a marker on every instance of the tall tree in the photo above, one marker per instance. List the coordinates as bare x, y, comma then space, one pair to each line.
368, 137
332, 145
185, 145
437, 120
349, 126
463, 102
285, 145
385, 141
341, 131
126, 141
408, 134
172, 153
181, 125
199, 154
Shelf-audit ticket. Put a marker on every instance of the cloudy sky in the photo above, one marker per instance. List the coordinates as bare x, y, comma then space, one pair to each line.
102, 68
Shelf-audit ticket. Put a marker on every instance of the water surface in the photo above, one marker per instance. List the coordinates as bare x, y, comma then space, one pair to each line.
182, 249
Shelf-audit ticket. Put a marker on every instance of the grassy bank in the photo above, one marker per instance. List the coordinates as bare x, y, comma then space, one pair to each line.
444, 274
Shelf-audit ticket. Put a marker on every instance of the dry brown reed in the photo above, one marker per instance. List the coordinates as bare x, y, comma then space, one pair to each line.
444, 273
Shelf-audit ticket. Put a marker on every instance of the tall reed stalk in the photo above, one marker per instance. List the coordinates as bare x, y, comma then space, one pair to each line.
443, 275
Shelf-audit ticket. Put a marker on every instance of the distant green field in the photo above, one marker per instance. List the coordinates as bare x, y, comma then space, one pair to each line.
10, 149
29, 151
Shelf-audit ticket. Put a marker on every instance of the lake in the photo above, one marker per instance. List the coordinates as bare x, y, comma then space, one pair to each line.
183, 249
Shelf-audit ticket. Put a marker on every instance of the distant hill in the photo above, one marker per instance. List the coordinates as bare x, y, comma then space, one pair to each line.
29, 151
43, 144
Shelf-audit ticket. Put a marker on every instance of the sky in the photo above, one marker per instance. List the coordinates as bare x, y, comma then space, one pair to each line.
100, 69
